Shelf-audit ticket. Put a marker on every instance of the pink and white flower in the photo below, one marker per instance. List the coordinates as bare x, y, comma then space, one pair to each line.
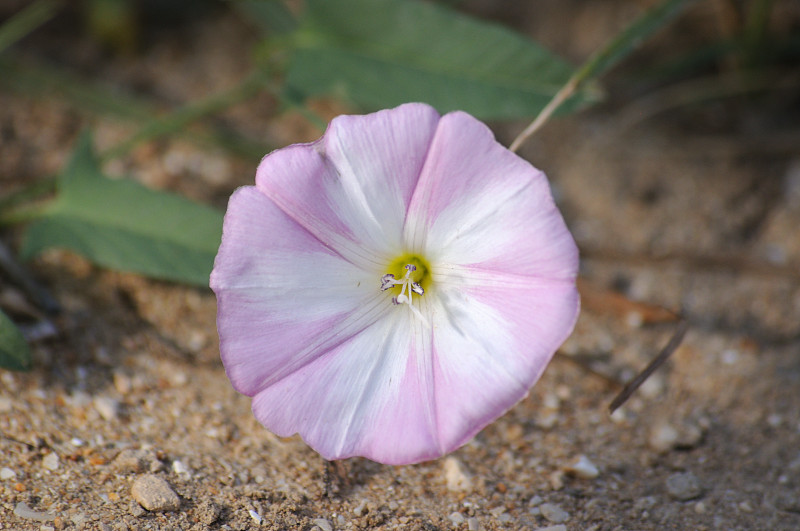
394, 287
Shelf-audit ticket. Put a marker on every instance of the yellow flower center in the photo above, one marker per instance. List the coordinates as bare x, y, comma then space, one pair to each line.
421, 276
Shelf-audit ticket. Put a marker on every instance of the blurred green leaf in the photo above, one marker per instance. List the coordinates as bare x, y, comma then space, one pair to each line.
26, 21
381, 53
14, 352
122, 225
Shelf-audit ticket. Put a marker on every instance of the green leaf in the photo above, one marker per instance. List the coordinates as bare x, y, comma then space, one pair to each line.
122, 225
381, 53
14, 352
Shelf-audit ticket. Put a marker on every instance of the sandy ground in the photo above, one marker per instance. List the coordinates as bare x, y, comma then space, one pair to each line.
696, 213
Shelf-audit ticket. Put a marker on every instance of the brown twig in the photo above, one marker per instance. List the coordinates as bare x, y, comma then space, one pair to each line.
657, 362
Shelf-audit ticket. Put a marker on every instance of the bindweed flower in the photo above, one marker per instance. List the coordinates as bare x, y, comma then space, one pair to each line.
392, 288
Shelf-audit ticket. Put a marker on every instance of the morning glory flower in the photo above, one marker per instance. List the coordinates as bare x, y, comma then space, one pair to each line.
392, 288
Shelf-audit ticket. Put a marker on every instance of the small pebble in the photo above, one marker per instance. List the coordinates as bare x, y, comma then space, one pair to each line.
536, 500
684, 486
473, 524
7, 473
554, 513
457, 479
50, 461
132, 460
180, 469
5, 404
557, 480
155, 494
665, 436
107, 407
457, 518
323, 524
255, 516
745, 507
361, 509
700, 508
582, 468
122, 383
774, 420
23, 511
559, 527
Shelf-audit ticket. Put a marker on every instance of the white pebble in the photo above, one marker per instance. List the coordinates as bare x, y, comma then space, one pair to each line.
583, 468
554, 513
7, 473
360, 509
50, 461
23, 511
559, 527
179, 468
473, 524
255, 516
457, 518
774, 420
457, 479
107, 407
323, 524
662, 437
730, 356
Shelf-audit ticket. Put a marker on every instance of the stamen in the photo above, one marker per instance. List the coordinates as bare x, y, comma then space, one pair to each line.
407, 287
387, 281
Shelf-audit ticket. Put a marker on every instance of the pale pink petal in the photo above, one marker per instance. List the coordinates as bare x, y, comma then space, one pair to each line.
352, 187
491, 344
282, 295
371, 396
478, 203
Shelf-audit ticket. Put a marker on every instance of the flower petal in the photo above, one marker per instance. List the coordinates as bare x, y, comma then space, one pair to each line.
371, 397
491, 344
478, 203
351, 189
282, 295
